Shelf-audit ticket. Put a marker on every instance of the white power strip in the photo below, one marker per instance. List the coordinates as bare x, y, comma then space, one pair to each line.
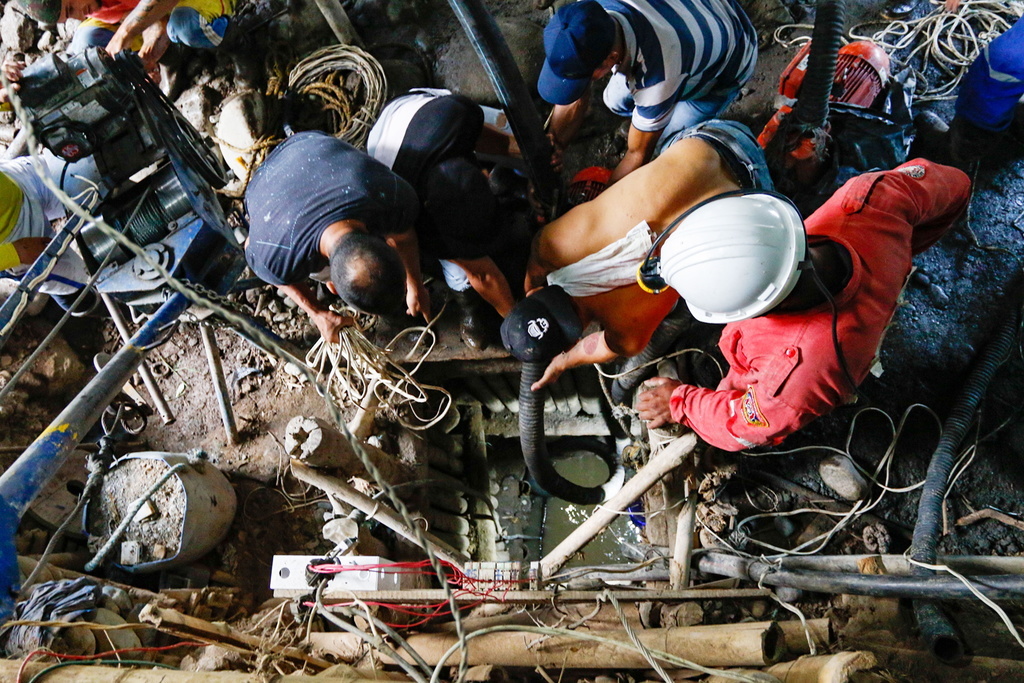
288, 576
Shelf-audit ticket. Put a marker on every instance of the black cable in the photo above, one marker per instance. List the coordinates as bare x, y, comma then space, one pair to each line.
835, 332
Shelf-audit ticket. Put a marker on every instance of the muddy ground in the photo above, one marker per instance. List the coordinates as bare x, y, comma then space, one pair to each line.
961, 292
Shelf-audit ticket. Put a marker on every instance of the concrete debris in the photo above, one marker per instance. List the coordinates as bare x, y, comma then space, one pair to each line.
17, 30
243, 121
841, 475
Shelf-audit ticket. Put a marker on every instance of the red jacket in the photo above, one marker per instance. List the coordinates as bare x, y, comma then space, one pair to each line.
783, 367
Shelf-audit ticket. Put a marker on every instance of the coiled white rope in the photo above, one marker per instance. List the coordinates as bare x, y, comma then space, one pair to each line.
355, 367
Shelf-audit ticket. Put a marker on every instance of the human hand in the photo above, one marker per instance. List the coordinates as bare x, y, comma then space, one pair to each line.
952, 5
330, 323
557, 150
653, 403
115, 45
555, 368
12, 69
418, 301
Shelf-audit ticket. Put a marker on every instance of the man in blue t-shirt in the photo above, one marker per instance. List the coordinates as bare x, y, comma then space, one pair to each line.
318, 207
674, 64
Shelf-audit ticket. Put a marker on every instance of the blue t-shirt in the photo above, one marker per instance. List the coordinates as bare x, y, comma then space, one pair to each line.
308, 182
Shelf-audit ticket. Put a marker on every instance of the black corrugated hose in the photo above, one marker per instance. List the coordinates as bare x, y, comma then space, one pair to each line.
811, 109
535, 451
936, 630
670, 329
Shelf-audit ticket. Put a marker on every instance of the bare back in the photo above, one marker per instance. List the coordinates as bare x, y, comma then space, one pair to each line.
688, 172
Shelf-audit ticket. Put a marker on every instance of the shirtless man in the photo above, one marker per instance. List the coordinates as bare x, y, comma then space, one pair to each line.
592, 252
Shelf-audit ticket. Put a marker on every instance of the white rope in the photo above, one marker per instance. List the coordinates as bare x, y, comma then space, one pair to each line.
945, 41
355, 367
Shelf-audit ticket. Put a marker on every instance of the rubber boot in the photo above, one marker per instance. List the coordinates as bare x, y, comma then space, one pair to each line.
473, 324
968, 143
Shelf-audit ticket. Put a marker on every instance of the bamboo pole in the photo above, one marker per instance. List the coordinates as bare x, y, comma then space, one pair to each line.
374, 509
672, 456
109, 674
679, 568
745, 644
796, 636
835, 668
220, 634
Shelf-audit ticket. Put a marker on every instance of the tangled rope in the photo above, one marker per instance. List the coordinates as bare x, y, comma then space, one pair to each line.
328, 75
944, 41
355, 368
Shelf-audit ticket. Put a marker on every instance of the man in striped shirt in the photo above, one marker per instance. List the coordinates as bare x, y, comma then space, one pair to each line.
674, 64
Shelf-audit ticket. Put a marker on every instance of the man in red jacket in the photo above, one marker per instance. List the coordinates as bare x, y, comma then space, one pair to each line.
785, 369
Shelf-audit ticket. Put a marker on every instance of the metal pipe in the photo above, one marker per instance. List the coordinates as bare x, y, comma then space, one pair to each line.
375, 510
339, 22
937, 630
661, 464
995, 586
513, 94
220, 385
23, 480
899, 566
159, 401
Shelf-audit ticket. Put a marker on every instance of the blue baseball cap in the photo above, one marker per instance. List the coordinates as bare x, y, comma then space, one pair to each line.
576, 40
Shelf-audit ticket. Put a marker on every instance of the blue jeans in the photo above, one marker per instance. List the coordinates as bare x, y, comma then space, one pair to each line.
995, 82
738, 148
685, 113
185, 25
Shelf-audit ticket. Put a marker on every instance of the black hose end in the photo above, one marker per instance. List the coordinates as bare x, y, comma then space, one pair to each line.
938, 633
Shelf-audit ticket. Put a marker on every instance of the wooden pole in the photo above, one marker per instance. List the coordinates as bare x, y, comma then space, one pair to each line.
835, 668
672, 456
679, 568
375, 510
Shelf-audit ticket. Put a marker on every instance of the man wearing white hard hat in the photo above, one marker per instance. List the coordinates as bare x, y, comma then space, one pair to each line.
806, 304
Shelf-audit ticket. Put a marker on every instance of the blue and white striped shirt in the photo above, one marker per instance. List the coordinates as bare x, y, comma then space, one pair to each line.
682, 50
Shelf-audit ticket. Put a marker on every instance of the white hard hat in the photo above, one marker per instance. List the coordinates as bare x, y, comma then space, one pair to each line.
736, 257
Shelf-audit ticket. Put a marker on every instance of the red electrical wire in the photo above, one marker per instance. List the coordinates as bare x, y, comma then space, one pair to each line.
100, 655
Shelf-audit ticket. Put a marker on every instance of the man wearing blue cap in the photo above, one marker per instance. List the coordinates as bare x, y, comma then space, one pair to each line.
674, 64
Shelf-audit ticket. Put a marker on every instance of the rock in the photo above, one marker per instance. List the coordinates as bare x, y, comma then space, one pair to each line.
281, 317
684, 614
58, 373
459, 68
293, 370
46, 41
841, 475
243, 121
303, 28
402, 76
66, 29
17, 30
197, 103
212, 658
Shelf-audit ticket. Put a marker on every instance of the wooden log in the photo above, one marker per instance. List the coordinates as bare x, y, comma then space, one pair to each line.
669, 458
318, 443
744, 644
475, 455
484, 394
222, 635
374, 509
503, 391
759, 676
835, 668
587, 382
109, 674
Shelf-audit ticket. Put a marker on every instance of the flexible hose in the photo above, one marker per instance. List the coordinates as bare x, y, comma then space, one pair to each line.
811, 110
535, 451
936, 630
670, 329
995, 586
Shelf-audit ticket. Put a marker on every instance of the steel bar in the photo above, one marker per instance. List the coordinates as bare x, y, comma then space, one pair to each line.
664, 462
435, 595
23, 480
220, 385
159, 401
